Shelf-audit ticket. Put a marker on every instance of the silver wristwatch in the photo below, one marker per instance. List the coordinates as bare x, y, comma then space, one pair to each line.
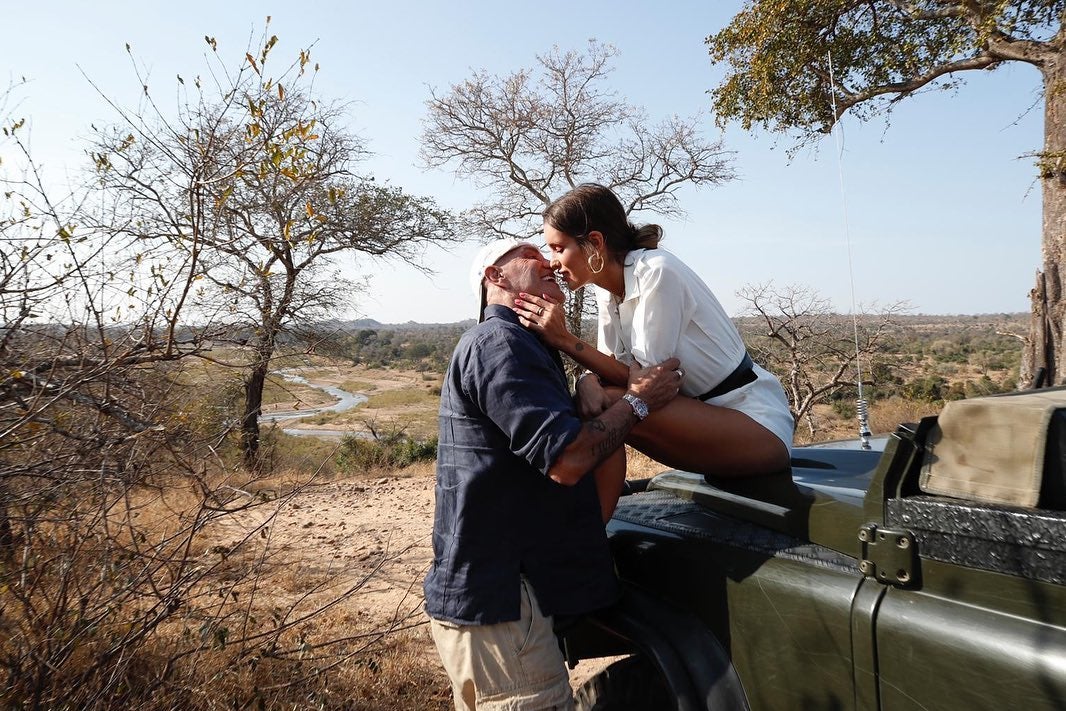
640, 408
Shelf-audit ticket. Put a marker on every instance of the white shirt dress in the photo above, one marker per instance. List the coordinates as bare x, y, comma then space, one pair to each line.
668, 311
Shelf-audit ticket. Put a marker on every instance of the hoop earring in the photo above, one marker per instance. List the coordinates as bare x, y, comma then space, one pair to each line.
599, 257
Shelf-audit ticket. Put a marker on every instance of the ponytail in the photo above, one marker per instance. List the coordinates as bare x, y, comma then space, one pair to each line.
646, 236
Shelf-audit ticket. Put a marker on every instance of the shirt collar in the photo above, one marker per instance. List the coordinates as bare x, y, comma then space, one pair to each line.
508, 314
629, 270
500, 311
630, 284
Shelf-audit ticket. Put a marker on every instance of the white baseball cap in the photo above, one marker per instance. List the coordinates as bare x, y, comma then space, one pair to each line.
486, 257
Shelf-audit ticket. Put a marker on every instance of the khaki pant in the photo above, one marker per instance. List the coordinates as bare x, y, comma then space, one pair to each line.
510, 666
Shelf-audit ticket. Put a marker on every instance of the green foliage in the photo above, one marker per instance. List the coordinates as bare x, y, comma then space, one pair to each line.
423, 348
981, 387
389, 450
928, 388
777, 54
845, 409
282, 452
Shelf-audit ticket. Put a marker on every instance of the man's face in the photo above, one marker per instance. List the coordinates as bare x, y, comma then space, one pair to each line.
526, 270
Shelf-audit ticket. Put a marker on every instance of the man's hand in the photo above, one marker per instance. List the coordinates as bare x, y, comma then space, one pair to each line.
592, 397
656, 385
604, 434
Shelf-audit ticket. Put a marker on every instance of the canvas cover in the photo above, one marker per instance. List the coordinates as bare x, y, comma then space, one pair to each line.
991, 449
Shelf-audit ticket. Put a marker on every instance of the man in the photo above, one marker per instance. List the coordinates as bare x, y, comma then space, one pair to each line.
517, 534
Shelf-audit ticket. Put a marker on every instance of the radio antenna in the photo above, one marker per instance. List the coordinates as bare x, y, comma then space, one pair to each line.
837, 129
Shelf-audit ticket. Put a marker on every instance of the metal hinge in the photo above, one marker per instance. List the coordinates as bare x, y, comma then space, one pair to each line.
889, 555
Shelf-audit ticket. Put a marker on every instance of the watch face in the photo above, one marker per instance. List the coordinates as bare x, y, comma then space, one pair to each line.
640, 408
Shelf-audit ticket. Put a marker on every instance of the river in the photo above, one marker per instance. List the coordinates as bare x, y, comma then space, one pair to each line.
345, 401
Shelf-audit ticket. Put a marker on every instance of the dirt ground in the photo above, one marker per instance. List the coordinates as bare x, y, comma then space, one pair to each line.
368, 536
378, 528
375, 528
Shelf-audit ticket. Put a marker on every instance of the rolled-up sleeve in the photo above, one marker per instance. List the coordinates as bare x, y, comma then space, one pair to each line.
523, 392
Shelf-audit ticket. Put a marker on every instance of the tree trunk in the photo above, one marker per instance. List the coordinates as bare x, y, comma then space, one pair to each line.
575, 314
253, 406
1045, 353
575, 322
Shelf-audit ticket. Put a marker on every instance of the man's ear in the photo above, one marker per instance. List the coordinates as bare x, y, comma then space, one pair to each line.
495, 275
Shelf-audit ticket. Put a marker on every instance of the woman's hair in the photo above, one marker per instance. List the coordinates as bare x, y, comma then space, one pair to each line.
591, 207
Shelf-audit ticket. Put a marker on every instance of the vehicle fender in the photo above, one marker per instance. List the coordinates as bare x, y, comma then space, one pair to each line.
690, 658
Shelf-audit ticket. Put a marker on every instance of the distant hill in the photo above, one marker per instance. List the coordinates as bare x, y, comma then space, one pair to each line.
369, 323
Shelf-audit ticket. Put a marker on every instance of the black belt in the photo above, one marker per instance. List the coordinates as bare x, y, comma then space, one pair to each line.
741, 376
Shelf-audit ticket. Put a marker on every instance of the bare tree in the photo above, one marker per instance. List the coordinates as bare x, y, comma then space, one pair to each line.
814, 351
111, 489
88, 420
251, 187
529, 136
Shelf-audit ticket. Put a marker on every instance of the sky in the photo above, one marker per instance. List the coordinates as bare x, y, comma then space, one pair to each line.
940, 208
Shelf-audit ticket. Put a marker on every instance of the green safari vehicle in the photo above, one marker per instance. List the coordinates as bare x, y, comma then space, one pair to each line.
927, 572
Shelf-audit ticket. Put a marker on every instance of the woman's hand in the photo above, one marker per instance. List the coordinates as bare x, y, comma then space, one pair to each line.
546, 317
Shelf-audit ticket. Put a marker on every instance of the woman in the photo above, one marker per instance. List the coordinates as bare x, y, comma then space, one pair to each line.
732, 418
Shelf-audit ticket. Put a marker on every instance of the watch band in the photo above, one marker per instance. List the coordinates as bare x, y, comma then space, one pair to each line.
640, 408
582, 376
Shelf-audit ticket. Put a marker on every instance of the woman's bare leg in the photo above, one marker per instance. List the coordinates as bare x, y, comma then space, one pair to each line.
693, 436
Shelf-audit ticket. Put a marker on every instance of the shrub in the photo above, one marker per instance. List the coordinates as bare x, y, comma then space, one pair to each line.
930, 388
845, 409
390, 450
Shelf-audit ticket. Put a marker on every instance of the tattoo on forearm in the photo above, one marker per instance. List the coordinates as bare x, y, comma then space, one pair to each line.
612, 439
579, 347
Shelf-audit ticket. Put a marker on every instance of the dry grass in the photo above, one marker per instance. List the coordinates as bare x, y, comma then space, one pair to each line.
358, 386
640, 465
405, 397
234, 612
887, 415
333, 667
399, 676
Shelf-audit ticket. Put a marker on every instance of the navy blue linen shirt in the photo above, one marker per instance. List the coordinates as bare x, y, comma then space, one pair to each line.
505, 417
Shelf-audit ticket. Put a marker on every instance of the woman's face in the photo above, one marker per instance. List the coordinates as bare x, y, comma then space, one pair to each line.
567, 258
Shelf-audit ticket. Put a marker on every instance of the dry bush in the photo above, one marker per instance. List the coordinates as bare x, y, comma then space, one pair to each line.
388, 449
886, 415
281, 452
400, 677
174, 596
137, 569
